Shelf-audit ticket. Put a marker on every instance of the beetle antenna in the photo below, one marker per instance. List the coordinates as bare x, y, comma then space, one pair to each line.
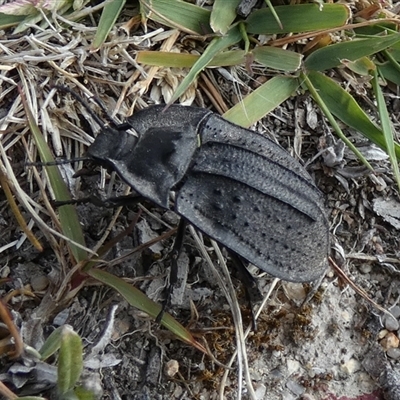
87, 106
56, 162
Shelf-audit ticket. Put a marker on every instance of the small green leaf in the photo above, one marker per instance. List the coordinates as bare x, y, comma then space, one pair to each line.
297, 18
363, 66
70, 360
263, 100
52, 344
334, 55
223, 14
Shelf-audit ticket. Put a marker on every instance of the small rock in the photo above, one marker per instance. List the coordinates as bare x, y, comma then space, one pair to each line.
260, 391
61, 318
395, 311
295, 387
170, 218
171, 368
382, 334
390, 341
351, 366
294, 291
39, 283
390, 323
393, 353
293, 366
287, 395
365, 268
307, 396
277, 374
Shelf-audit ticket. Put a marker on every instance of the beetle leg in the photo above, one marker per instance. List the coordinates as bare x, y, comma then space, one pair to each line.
173, 275
252, 292
110, 202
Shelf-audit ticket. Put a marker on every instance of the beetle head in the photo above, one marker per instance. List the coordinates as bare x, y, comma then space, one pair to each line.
111, 144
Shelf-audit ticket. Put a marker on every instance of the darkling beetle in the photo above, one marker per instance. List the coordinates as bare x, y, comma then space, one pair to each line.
231, 183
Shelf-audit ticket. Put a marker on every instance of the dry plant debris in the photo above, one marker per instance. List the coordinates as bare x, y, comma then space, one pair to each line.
335, 347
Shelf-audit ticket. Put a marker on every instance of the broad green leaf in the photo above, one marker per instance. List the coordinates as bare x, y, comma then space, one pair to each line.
216, 46
139, 300
185, 60
297, 18
263, 100
223, 13
277, 58
334, 55
70, 360
177, 14
108, 17
69, 221
386, 127
343, 106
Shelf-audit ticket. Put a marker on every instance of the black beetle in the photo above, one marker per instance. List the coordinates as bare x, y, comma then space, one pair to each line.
233, 184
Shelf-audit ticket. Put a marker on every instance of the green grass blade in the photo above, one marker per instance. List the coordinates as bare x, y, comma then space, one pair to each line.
263, 100
108, 17
274, 13
343, 106
222, 15
216, 46
332, 56
276, 58
68, 217
386, 127
177, 14
325, 109
297, 18
139, 300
